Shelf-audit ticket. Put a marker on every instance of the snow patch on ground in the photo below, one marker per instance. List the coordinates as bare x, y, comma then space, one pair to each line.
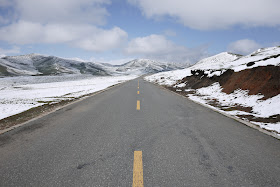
269, 126
18, 95
180, 85
260, 108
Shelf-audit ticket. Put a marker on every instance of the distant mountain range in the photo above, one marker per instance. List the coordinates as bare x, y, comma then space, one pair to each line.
35, 65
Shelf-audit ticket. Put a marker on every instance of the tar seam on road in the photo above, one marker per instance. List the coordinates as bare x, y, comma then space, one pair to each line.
138, 170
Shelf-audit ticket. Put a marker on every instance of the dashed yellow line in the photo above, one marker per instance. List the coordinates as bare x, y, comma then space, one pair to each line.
138, 92
138, 170
138, 105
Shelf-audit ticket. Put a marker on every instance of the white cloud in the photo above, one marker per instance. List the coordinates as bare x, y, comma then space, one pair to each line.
102, 40
170, 32
84, 36
72, 22
14, 50
243, 47
214, 14
159, 48
59, 11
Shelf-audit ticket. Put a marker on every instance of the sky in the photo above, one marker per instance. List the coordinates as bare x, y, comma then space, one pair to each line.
116, 31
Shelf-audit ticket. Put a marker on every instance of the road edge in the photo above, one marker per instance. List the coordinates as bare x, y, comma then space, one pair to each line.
61, 107
247, 123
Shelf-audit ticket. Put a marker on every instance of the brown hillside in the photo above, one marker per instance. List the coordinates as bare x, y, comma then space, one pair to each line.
263, 80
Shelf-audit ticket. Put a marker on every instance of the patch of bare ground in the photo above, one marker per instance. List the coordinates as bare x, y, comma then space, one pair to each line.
271, 119
263, 80
237, 107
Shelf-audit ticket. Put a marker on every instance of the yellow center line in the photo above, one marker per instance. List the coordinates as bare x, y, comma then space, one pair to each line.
138, 92
138, 105
138, 170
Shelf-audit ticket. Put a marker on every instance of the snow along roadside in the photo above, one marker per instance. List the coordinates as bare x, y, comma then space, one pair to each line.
271, 129
73, 101
260, 108
20, 98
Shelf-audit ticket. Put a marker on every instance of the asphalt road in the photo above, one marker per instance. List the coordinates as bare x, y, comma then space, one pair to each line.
92, 143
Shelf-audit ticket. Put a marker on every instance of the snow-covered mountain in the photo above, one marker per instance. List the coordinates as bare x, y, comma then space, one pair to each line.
143, 66
35, 64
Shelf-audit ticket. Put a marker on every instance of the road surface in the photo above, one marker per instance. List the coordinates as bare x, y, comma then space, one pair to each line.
138, 136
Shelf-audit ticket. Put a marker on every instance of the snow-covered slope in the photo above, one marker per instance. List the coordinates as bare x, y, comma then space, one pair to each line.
218, 64
35, 64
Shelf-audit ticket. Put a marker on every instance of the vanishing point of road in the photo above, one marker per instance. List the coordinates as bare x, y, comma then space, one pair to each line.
138, 134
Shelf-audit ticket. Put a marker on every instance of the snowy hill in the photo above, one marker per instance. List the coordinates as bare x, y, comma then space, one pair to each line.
217, 61
35, 64
224, 61
246, 87
220, 63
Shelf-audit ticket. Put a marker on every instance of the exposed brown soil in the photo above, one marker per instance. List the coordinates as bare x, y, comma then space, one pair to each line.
263, 80
271, 119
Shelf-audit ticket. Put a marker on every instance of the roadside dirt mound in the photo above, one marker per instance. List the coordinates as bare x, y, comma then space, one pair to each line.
263, 80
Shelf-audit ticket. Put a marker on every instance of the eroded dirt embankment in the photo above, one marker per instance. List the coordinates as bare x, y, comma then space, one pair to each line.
263, 80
